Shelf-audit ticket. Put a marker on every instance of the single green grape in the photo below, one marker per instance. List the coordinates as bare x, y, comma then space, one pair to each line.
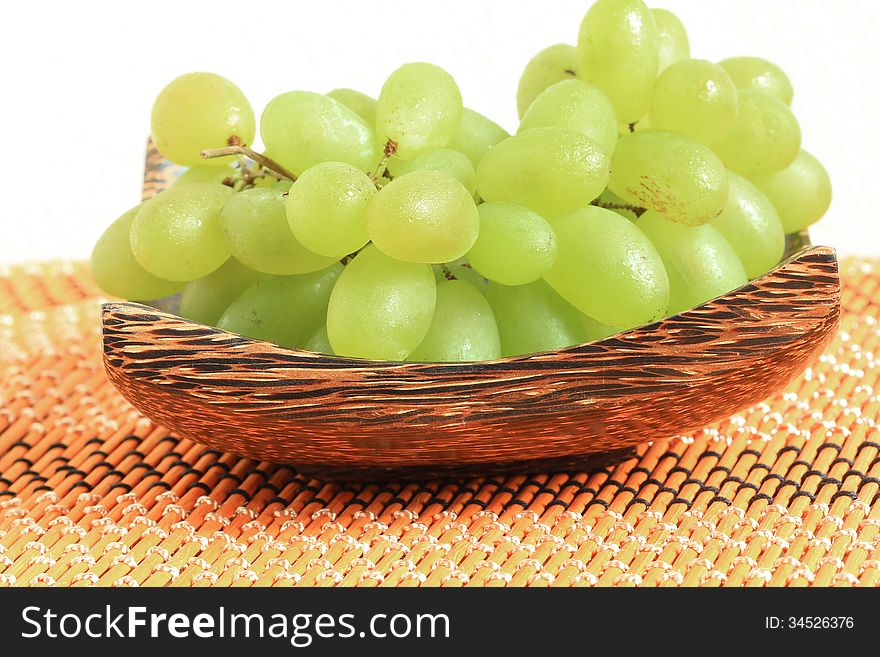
446, 161
700, 263
177, 235
549, 170
204, 174
751, 225
254, 224
606, 268
326, 208
619, 50
205, 299
765, 136
319, 342
595, 330
115, 269
301, 129
533, 318
515, 245
359, 103
463, 327
381, 308
671, 173
576, 105
198, 111
423, 216
801, 193
419, 109
475, 135
757, 73
551, 65
673, 39
694, 97
285, 310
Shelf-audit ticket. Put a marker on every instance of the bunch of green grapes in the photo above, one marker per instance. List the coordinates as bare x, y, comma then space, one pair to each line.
639, 183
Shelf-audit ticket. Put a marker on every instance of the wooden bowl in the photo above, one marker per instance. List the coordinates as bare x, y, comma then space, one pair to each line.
336, 417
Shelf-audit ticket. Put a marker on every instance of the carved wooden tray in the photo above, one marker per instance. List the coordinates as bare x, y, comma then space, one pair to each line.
337, 417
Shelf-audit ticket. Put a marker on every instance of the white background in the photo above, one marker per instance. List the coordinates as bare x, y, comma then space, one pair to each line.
79, 78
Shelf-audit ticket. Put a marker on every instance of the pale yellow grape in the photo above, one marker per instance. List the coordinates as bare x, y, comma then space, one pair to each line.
671, 173
361, 104
694, 97
551, 65
475, 135
198, 111
204, 174
533, 318
301, 129
424, 216
463, 327
606, 268
700, 263
515, 245
548, 170
446, 161
619, 52
419, 109
381, 308
765, 136
116, 271
751, 225
576, 105
673, 39
254, 224
326, 208
177, 234
757, 73
204, 300
801, 192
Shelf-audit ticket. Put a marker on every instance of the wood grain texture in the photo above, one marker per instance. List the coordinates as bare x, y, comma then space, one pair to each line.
336, 416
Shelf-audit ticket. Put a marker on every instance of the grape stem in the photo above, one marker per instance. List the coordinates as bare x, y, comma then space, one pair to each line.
259, 158
635, 209
447, 273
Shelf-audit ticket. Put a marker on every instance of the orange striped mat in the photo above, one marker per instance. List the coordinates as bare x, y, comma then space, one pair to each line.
92, 493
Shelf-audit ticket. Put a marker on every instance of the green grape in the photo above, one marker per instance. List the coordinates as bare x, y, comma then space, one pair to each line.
751, 225
694, 97
460, 271
423, 216
533, 318
700, 263
515, 245
463, 327
475, 135
301, 129
765, 136
757, 73
673, 38
198, 111
361, 104
204, 174
549, 170
446, 161
551, 65
671, 173
177, 235
319, 342
282, 186
419, 109
595, 330
286, 310
619, 50
801, 192
326, 208
115, 269
575, 105
381, 308
205, 299
254, 224
608, 269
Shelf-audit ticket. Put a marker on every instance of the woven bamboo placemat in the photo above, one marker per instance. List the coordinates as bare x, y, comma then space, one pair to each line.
92, 493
